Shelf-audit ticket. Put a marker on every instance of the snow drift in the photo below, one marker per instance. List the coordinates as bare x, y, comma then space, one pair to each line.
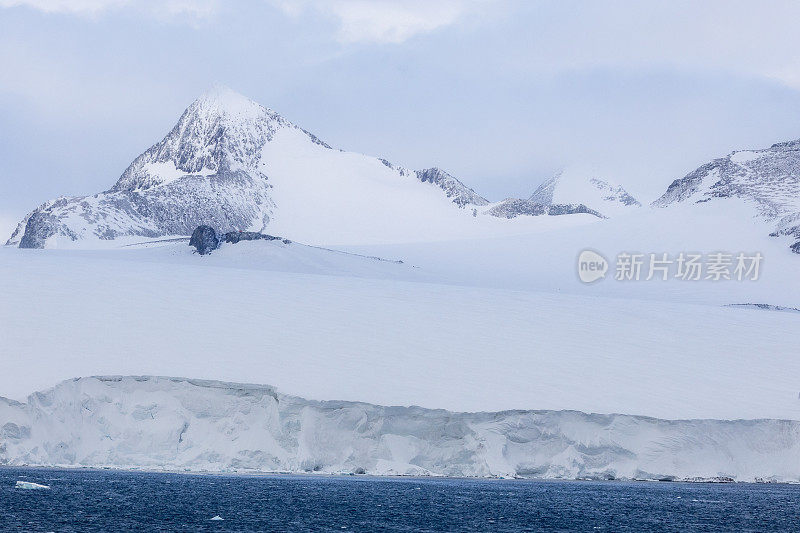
177, 423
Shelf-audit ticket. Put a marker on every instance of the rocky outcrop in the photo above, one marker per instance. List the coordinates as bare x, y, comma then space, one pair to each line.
514, 207
235, 236
204, 239
460, 194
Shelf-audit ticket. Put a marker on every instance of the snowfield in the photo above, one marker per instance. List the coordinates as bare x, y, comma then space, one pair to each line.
478, 333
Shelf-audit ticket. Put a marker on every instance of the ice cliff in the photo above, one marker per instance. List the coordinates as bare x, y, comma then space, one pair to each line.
196, 425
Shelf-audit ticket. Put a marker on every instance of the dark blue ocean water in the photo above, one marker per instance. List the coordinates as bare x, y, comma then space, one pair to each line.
126, 501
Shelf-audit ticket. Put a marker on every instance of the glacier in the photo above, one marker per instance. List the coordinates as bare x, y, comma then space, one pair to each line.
179, 424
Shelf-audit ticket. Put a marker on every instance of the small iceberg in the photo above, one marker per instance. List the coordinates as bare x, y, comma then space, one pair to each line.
217, 517
29, 485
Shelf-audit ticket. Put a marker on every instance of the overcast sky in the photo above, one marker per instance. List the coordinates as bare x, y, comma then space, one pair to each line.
500, 93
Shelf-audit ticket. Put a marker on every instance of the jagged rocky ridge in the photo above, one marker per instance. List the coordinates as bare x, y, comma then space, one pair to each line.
768, 179
460, 194
196, 425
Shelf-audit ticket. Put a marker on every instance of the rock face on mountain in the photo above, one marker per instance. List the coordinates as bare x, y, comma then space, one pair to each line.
514, 207
176, 423
768, 179
455, 190
236, 166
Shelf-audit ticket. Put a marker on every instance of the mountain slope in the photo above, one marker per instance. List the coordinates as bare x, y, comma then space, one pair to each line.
176, 423
235, 165
767, 179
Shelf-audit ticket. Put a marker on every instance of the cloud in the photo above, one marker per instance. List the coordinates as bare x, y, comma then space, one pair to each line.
66, 6
198, 9
735, 36
384, 21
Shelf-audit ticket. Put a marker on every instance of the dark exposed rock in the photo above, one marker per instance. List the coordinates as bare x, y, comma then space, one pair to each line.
39, 227
514, 207
236, 236
460, 194
766, 307
204, 239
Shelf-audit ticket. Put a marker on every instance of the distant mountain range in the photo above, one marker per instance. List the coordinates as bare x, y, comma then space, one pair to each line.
237, 166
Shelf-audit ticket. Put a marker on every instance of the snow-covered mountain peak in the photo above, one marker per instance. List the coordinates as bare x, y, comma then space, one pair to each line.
768, 179
220, 132
224, 101
574, 186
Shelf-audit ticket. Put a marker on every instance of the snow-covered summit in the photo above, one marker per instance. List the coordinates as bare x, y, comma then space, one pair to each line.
220, 132
574, 186
768, 179
235, 165
223, 100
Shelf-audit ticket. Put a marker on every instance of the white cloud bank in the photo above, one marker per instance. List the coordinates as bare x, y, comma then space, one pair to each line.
162, 8
384, 21
359, 21
737, 36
